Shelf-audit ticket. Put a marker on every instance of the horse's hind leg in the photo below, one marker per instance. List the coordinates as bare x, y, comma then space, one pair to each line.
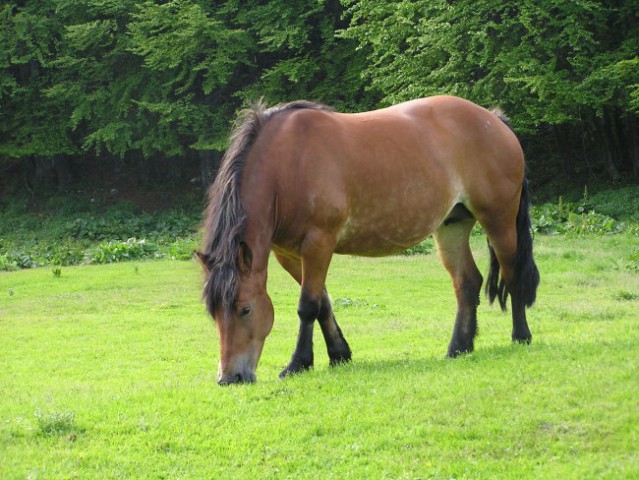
503, 254
454, 251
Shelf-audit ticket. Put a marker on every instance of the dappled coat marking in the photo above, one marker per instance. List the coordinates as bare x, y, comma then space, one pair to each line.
306, 182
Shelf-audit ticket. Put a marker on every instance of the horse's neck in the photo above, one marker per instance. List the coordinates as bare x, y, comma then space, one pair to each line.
260, 214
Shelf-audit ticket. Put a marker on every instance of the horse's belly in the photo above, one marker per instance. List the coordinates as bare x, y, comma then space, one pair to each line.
391, 236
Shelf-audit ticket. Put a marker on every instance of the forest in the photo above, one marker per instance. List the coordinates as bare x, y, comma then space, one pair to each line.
147, 91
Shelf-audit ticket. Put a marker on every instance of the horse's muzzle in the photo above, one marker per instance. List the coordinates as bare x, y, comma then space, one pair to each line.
240, 377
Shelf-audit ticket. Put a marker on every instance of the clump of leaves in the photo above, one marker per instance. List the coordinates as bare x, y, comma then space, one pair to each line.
121, 225
116, 251
633, 261
625, 295
572, 219
423, 248
7, 263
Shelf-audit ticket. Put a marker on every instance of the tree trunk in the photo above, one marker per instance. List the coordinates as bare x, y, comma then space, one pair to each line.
632, 139
607, 151
209, 165
43, 174
63, 172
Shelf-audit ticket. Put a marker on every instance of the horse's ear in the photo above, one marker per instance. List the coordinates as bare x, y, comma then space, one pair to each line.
204, 260
244, 258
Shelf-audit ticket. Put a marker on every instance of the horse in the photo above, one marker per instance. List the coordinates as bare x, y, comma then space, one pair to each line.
306, 182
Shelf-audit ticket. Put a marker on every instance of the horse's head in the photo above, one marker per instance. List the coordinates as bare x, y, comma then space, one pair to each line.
236, 298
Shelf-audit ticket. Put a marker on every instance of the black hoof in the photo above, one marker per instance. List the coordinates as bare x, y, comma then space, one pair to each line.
339, 357
294, 368
339, 360
523, 340
455, 350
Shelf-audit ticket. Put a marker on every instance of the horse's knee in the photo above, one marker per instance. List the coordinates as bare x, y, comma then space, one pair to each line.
471, 287
308, 308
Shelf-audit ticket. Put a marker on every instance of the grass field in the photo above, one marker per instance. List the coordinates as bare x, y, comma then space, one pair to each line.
109, 372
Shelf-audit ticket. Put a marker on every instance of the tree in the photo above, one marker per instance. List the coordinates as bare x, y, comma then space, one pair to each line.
129, 81
556, 66
32, 124
300, 55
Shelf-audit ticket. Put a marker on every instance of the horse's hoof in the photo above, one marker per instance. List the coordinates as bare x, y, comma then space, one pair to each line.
338, 356
294, 368
340, 359
457, 350
522, 340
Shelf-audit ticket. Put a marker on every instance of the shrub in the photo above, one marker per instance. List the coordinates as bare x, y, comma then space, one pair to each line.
114, 225
621, 203
115, 251
572, 219
182, 249
423, 248
7, 264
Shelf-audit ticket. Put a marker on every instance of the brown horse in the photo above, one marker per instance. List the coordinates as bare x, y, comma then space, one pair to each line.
307, 182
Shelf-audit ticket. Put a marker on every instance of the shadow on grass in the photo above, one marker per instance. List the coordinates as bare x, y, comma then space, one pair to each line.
419, 362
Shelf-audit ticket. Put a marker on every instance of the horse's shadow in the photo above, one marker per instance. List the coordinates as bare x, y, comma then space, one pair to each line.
432, 363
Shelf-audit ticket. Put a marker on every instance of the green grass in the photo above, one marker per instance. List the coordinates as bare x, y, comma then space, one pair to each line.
109, 372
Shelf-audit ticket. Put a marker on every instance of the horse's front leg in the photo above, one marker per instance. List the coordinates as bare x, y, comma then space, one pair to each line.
302, 359
336, 345
316, 252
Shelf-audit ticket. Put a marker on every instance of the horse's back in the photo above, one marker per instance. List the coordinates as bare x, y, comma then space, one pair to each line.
384, 180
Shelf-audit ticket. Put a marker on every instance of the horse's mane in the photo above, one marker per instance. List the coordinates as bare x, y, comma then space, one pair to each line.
225, 218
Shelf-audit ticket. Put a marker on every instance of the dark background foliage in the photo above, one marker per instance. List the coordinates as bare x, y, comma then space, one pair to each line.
124, 95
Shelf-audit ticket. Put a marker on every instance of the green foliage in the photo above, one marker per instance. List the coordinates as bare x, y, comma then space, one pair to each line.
152, 78
31, 123
547, 63
633, 261
40, 254
121, 225
423, 248
129, 79
607, 212
118, 233
7, 263
620, 203
180, 249
116, 251
300, 56
572, 219
54, 423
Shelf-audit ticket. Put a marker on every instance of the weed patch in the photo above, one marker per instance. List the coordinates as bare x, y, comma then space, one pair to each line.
633, 261
626, 296
114, 236
572, 219
54, 423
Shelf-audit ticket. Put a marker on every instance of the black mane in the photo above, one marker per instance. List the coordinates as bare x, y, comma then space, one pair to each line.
225, 216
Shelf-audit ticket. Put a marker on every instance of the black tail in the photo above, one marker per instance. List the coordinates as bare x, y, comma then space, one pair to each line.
526, 272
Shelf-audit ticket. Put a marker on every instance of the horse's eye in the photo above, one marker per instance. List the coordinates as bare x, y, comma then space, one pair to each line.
245, 312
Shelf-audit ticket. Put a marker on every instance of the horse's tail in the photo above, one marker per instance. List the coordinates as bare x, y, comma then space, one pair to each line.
526, 274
